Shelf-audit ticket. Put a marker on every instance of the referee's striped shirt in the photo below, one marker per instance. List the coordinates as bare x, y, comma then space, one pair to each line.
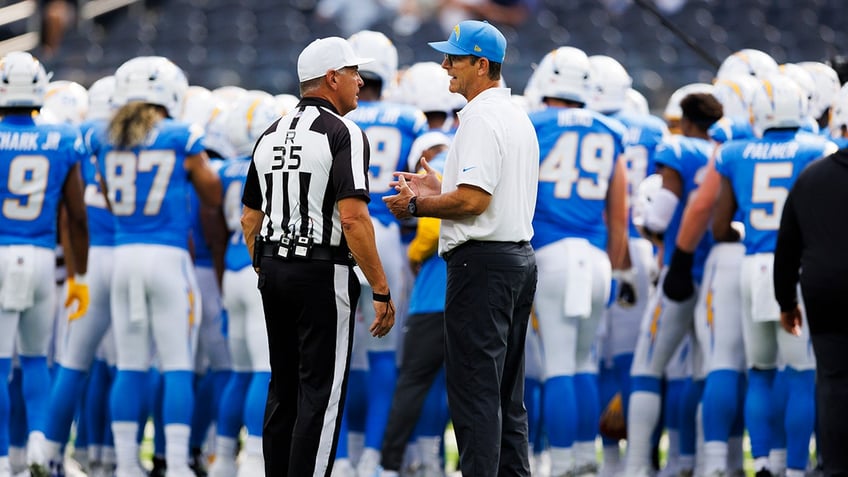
302, 165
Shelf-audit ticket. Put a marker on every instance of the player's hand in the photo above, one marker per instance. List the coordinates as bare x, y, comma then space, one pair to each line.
398, 203
77, 293
626, 289
678, 284
385, 318
791, 321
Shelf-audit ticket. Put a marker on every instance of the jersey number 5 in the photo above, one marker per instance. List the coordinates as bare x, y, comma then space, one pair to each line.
764, 194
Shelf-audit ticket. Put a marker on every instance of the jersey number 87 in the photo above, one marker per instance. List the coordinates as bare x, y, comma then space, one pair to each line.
122, 170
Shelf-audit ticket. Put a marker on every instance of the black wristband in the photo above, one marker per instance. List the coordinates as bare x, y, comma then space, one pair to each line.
381, 298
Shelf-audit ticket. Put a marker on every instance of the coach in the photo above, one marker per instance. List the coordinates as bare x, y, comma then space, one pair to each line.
305, 221
486, 201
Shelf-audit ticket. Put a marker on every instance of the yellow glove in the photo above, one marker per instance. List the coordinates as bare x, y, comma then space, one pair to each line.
77, 292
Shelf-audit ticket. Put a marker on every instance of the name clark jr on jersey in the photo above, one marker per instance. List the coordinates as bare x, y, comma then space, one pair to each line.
28, 141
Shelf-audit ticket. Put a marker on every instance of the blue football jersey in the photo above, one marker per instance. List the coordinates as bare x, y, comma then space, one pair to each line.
688, 156
578, 150
147, 185
644, 133
101, 222
35, 160
391, 129
428, 291
729, 128
233, 174
762, 171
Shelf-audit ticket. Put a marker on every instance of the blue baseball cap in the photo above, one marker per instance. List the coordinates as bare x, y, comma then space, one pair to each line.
473, 37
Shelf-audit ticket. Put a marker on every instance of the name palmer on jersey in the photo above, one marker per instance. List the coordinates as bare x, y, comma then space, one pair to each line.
770, 151
28, 141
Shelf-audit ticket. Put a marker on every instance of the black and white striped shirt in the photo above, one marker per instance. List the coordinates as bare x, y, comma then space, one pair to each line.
302, 165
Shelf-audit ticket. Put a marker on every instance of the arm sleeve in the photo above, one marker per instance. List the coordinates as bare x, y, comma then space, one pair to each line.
426, 240
351, 159
787, 256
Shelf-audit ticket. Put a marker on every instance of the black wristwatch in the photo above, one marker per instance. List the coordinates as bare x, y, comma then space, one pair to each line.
412, 207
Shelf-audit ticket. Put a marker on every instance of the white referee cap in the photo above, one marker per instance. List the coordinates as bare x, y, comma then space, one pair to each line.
325, 54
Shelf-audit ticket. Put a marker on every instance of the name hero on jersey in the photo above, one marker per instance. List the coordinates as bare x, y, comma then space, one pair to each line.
574, 117
28, 141
771, 151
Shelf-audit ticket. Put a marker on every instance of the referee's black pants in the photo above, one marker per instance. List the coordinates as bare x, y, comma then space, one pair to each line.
490, 288
423, 357
309, 311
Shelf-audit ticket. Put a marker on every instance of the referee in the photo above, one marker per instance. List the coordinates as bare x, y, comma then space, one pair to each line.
306, 224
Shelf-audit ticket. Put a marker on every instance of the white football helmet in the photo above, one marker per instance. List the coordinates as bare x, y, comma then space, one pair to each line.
777, 102
426, 85
827, 86
285, 103
373, 44
839, 113
199, 106
229, 95
803, 79
735, 93
610, 83
565, 74
644, 192
248, 119
636, 103
66, 101
100, 98
672, 110
153, 80
23, 81
749, 62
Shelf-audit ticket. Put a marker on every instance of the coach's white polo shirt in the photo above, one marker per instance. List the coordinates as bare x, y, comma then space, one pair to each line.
495, 149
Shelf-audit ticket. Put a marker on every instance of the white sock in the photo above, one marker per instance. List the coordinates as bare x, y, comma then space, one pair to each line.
562, 460
368, 462
17, 459
673, 456
761, 463
126, 448
252, 445
176, 445
795, 473
37, 448
735, 454
777, 461
430, 450
643, 416
225, 448
52, 450
107, 456
585, 454
715, 457
685, 463
5, 466
94, 453
355, 446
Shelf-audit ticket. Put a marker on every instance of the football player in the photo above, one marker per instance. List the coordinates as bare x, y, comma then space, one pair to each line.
41, 164
148, 160
580, 227
755, 178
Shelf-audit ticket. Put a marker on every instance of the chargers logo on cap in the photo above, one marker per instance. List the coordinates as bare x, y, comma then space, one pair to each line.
477, 49
456, 31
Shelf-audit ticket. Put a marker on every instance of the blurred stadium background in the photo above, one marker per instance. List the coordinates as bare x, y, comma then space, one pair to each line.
255, 43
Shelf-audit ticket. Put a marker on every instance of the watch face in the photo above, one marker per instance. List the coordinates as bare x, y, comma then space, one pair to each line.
411, 207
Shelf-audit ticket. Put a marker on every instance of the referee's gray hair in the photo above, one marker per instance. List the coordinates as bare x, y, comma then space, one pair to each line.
310, 85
